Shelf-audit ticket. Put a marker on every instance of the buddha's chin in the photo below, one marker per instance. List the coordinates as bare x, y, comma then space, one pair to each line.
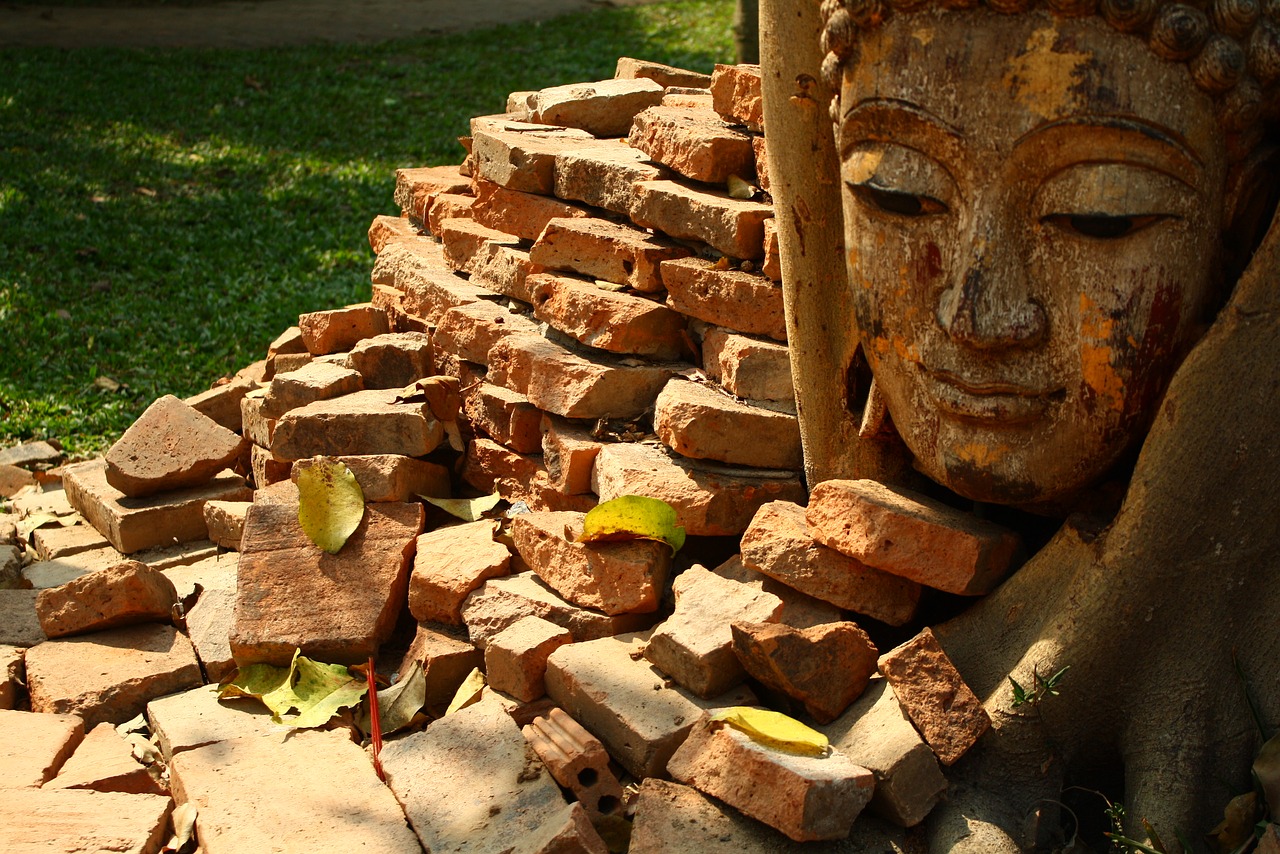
1004, 480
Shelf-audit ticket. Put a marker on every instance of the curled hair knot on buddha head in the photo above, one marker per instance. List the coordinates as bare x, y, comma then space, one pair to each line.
1231, 47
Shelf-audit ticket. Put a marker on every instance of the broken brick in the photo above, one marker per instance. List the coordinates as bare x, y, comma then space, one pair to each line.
221, 404
449, 564
604, 108
36, 746
104, 762
569, 454
502, 601
747, 367
445, 659
507, 417
312, 382
413, 186
470, 331
522, 155
523, 214
388, 229
732, 226
515, 659
604, 175
393, 360
698, 422
745, 302
607, 320
362, 423
736, 92
577, 760
339, 329
664, 75
392, 477
602, 249
129, 592
225, 521
694, 143
171, 446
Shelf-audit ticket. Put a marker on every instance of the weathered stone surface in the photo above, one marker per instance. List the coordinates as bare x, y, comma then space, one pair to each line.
608, 320
573, 385
746, 302
449, 564
504, 415
104, 762
604, 175
470, 331
392, 477
36, 746
127, 593
772, 264
197, 717
385, 230
824, 667
443, 207
806, 797
502, 601
40, 821
708, 501
12, 675
697, 421
334, 607
56, 541
315, 381
616, 578
521, 155
463, 240
366, 422
222, 402
747, 367
110, 675
777, 543
569, 454
762, 159
604, 108
665, 75
515, 659
171, 446
266, 469
13, 479
31, 455
339, 329
393, 360
876, 734
799, 610
225, 522
504, 269
910, 535
500, 792
736, 93
414, 185
603, 249
445, 659
609, 688
523, 214
934, 695
258, 428
134, 524
278, 793
694, 143
282, 363
694, 646
732, 226
429, 287
577, 760
210, 620
491, 467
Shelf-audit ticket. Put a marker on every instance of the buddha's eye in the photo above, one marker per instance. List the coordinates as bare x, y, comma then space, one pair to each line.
894, 202
1102, 226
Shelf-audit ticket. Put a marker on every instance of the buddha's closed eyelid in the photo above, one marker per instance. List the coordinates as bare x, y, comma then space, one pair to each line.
1111, 200
889, 175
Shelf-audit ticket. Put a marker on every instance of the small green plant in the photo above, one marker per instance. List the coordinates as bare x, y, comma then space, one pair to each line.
1041, 687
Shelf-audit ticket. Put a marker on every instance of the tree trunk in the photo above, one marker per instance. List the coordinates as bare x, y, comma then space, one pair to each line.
746, 31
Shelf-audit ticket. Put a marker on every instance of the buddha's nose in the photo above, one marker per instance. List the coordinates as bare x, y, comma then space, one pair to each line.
990, 306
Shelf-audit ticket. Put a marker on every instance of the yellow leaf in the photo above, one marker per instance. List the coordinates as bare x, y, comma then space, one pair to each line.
468, 692
330, 503
466, 509
633, 517
442, 394
774, 730
740, 189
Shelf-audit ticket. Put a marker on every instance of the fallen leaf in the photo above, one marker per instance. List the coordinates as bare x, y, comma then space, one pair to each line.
107, 384
466, 509
1237, 822
34, 522
774, 730
633, 517
398, 705
722, 263
468, 692
1267, 769
184, 822
330, 503
143, 749
316, 691
740, 189
442, 394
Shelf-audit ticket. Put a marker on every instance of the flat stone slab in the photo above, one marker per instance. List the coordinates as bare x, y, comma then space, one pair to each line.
19, 624
301, 792
104, 762
72, 821
197, 717
35, 747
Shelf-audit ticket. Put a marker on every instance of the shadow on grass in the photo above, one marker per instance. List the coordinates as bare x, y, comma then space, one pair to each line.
164, 214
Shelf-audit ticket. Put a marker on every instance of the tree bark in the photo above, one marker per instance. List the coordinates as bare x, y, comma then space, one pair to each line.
746, 31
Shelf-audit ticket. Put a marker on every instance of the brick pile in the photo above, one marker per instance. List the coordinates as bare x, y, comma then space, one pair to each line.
596, 292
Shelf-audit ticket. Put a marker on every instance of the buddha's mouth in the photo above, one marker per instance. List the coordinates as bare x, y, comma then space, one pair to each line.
989, 401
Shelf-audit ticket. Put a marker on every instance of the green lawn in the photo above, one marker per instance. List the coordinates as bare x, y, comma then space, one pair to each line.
164, 214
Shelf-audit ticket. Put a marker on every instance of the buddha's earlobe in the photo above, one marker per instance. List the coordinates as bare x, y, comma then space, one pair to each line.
1249, 204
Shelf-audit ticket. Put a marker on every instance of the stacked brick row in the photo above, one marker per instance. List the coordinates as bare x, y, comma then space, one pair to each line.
612, 311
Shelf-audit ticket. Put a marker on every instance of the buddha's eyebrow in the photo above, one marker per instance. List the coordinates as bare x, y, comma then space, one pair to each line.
1183, 155
871, 108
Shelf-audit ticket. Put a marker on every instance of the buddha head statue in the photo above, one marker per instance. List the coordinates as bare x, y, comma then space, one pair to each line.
1045, 204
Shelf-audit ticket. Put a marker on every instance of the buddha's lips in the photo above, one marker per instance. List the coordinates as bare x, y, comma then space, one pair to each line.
988, 400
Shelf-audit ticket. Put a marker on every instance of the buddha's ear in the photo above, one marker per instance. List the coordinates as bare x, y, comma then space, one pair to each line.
1253, 188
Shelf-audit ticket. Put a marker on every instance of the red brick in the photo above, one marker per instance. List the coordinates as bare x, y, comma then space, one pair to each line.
569, 454
445, 659
56, 541
282, 363
708, 501
515, 659
413, 186
289, 341
745, 302
664, 75
694, 646
504, 269
315, 381
449, 564
934, 695
430, 288
687, 98
470, 331
225, 521
210, 620
734, 227
258, 428
697, 421
778, 544
762, 161
129, 592
385, 230
505, 416
521, 155
171, 446
267, 469
366, 422
335, 607
604, 108
132, 525
392, 361
808, 798
694, 143
572, 385
339, 329
465, 239
577, 760
613, 577
13, 479
604, 175
501, 601
104, 762
222, 402
521, 214
36, 747
747, 367
601, 249
608, 320
736, 90
443, 207
910, 535
799, 610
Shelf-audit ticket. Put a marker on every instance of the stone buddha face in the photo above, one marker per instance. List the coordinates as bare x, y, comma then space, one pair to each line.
1033, 214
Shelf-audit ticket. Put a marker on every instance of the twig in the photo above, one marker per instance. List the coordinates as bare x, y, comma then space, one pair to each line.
375, 723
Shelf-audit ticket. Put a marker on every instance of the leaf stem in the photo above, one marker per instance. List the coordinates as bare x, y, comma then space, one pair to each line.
375, 722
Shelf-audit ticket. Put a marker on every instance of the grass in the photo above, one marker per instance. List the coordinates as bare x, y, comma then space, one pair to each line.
165, 213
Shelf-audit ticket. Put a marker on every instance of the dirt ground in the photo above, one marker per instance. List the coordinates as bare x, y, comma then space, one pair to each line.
267, 23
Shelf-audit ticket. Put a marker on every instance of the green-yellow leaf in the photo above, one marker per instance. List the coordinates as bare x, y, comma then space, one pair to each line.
330, 503
466, 509
1267, 769
468, 692
774, 730
740, 189
633, 517
398, 704
315, 691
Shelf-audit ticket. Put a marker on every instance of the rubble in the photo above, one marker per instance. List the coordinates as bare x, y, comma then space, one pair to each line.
127, 593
